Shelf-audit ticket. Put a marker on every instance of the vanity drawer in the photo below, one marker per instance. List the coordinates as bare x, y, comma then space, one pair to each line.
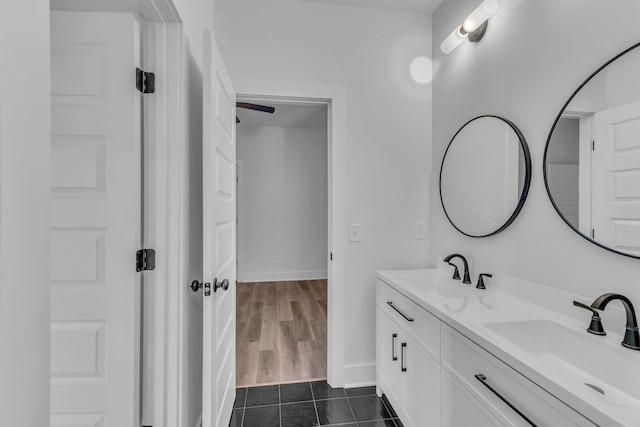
488, 378
416, 321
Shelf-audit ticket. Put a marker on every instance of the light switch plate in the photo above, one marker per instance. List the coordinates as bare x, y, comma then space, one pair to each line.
354, 232
421, 230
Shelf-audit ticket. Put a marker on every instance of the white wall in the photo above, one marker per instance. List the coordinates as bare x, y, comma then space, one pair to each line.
532, 58
614, 86
25, 130
564, 147
282, 203
367, 51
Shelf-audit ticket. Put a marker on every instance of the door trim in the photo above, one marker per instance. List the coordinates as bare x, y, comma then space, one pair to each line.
335, 99
165, 327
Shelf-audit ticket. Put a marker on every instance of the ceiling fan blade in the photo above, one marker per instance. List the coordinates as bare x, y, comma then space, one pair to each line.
257, 107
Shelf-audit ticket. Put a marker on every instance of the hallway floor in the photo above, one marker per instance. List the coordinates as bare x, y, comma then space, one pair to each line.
281, 332
311, 404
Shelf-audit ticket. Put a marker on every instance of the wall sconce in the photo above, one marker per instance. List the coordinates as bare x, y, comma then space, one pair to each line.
472, 28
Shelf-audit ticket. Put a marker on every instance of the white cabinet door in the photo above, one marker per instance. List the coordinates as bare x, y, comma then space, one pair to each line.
459, 408
420, 385
95, 219
219, 237
388, 338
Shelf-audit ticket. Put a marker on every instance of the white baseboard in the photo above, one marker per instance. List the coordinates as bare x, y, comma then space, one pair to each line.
359, 375
281, 276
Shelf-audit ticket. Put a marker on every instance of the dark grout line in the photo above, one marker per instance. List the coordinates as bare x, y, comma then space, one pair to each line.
352, 411
280, 404
315, 406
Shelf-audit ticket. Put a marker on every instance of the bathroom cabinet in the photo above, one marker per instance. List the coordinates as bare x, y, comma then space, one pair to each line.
449, 380
408, 342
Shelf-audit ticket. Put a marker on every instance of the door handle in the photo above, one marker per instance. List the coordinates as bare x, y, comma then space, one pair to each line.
394, 337
403, 361
196, 286
224, 285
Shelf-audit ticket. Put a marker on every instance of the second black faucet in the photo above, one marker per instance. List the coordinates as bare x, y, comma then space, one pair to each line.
466, 277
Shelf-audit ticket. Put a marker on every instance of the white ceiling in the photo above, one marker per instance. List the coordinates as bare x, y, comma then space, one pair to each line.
293, 116
425, 6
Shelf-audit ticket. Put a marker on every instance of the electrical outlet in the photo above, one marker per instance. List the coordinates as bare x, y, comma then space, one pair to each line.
354, 232
274, 260
421, 230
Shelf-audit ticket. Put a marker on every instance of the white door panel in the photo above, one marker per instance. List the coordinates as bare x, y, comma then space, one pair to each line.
219, 237
95, 175
616, 197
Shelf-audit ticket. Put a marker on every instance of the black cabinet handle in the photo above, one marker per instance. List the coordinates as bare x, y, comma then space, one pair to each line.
407, 318
484, 382
394, 337
403, 356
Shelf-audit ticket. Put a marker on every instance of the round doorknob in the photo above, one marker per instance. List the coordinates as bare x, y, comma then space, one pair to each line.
217, 285
196, 286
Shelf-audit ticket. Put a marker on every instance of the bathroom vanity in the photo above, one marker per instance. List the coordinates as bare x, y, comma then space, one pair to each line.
451, 355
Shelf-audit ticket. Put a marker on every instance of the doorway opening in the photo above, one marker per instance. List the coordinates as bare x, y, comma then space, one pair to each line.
283, 202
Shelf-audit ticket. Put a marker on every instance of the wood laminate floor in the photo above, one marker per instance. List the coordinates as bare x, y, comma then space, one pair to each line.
281, 332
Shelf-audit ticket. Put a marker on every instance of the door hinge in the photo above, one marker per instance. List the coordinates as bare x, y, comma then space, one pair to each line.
593, 145
145, 81
145, 260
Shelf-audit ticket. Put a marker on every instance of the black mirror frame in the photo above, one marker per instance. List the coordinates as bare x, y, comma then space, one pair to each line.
546, 151
527, 177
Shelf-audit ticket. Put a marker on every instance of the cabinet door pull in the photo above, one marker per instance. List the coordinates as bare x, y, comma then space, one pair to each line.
407, 318
403, 356
484, 382
394, 356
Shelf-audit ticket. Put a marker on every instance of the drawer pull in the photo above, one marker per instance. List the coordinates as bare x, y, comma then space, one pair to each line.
407, 318
403, 361
394, 356
484, 382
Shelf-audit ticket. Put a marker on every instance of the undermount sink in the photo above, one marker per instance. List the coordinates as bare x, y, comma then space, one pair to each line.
579, 357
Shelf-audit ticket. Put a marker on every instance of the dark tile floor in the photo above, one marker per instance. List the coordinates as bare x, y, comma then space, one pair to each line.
311, 404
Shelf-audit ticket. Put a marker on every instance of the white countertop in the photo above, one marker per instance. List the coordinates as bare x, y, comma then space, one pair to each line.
472, 311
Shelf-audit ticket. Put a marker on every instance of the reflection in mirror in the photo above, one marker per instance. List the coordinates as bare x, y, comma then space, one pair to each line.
592, 158
485, 176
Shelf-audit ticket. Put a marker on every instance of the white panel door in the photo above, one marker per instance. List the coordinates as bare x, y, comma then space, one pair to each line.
219, 239
616, 197
95, 190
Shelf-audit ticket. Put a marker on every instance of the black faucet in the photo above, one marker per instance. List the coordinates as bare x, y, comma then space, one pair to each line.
595, 327
480, 284
631, 336
467, 278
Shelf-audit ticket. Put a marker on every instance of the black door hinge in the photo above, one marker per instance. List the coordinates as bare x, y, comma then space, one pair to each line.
145, 81
145, 260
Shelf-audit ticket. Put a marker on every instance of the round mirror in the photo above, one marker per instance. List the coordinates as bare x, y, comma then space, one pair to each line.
485, 176
592, 157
